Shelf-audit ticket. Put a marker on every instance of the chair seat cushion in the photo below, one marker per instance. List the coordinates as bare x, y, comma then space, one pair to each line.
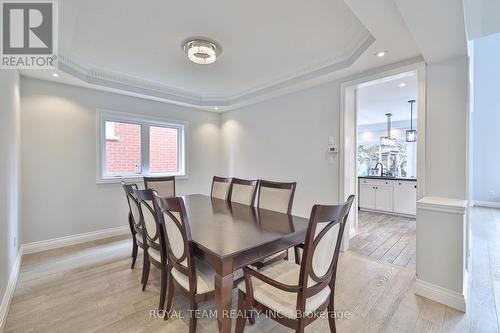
283, 302
205, 276
155, 254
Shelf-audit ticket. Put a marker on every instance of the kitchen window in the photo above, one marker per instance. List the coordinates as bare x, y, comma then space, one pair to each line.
131, 146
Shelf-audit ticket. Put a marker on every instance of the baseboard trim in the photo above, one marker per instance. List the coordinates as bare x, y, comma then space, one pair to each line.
386, 212
55, 243
489, 204
9, 291
441, 295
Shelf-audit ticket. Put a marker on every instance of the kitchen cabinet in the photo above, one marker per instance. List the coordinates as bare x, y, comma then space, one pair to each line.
367, 196
388, 195
384, 198
405, 197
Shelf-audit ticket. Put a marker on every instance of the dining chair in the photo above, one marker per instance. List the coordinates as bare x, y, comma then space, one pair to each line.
156, 253
191, 275
295, 295
276, 197
165, 186
135, 223
243, 191
220, 187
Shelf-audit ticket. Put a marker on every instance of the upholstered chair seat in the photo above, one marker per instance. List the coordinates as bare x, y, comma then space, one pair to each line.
155, 254
280, 301
205, 276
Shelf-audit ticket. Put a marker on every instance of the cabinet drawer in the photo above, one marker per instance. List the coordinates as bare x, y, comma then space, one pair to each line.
376, 182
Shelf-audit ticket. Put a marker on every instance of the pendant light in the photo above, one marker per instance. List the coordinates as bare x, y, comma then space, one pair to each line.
411, 134
387, 140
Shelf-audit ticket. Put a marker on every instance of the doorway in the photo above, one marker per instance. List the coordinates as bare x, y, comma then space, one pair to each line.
368, 149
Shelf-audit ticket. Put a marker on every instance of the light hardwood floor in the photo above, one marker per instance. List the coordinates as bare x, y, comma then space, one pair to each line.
90, 288
386, 238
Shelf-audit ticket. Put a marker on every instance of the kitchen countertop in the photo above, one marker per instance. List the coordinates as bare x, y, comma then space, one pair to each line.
388, 178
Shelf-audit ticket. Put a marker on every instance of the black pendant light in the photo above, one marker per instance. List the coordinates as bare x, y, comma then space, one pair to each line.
411, 134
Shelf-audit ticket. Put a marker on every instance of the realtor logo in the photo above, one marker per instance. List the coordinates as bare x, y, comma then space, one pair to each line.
28, 34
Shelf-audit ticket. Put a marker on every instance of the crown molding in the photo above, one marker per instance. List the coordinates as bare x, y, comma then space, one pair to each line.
307, 76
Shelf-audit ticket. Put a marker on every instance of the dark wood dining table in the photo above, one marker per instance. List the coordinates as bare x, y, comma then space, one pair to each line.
229, 236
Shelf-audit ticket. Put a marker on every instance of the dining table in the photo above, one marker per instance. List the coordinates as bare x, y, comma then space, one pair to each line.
229, 236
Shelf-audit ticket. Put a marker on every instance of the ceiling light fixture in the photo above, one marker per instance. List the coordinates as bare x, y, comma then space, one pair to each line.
388, 140
201, 51
402, 85
380, 54
55, 75
216, 108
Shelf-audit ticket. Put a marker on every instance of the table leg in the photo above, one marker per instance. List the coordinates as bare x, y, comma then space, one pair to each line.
223, 298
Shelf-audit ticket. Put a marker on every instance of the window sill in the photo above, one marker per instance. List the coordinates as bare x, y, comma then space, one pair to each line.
131, 179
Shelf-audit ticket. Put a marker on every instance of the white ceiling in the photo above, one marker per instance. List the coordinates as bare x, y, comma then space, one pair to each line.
376, 99
268, 46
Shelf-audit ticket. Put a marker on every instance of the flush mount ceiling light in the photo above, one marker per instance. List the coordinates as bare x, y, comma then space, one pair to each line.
201, 51
402, 85
380, 54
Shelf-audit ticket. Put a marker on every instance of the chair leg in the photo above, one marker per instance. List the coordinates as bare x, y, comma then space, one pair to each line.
163, 289
331, 317
297, 254
300, 326
242, 313
192, 319
170, 295
145, 270
134, 253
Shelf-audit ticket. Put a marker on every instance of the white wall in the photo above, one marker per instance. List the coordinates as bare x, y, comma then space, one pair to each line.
446, 131
9, 174
486, 159
286, 139
58, 128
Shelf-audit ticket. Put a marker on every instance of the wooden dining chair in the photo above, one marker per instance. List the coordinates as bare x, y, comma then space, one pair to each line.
220, 187
135, 222
156, 253
165, 186
276, 197
294, 295
193, 276
243, 191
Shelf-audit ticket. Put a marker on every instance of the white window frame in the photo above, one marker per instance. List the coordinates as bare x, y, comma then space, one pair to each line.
145, 122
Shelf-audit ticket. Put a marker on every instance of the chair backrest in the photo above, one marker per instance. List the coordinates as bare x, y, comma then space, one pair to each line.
148, 217
165, 186
322, 248
276, 196
220, 187
243, 191
133, 206
174, 223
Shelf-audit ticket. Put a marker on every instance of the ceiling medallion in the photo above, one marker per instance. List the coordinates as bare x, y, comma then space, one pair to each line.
201, 51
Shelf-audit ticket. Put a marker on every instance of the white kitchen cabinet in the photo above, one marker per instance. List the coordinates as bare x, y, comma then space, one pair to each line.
367, 196
384, 198
405, 197
388, 196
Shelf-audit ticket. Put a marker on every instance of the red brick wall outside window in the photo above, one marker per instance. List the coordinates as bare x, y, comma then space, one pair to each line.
123, 149
163, 148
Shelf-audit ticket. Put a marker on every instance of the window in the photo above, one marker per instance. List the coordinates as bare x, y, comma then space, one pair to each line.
132, 146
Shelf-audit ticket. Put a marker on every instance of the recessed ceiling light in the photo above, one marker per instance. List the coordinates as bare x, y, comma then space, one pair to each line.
201, 51
55, 75
216, 108
380, 54
402, 85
